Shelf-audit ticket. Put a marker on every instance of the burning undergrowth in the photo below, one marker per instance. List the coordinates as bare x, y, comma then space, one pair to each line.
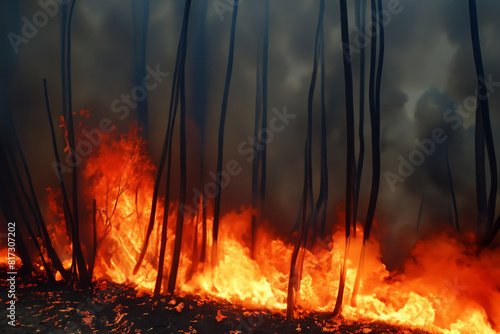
119, 308
445, 286
112, 216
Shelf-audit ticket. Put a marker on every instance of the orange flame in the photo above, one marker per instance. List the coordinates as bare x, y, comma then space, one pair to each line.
443, 288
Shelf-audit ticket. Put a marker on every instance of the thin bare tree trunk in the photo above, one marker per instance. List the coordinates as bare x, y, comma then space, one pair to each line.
350, 161
220, 146
9, 198
375, 128
168, 142
57, 264
375, 87
361, 25
296, 269
486, 208
176, 88
260, 148
256, 160
322, 202
166, 145
204, 204
183, 162
9, 155
94, 244
83, 276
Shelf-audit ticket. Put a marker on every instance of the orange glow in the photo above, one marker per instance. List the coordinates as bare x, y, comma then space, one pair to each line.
443, 289
4, 259
66, 139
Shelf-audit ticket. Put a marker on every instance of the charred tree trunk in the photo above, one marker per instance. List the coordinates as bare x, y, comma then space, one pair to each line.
164, 230
350, 168
177, 89
375, 124
18, 200
360, 23
322, 202
259, 149
32, 203
83, 276
220, 146
376, 67
296, 268
265, 56
7, 205
68, 216
203, 254
486, 207
166, 148
183, 169
200, 101
255, 160
94, 243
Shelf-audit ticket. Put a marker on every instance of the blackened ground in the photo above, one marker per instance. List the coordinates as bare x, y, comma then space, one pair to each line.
108, 308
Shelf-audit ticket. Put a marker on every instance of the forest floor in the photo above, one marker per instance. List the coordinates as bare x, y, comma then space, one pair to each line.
43, 307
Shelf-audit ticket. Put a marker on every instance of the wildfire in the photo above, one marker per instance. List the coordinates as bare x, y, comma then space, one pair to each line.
442, 289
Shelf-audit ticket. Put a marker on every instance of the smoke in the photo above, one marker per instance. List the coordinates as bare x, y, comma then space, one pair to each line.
428, 68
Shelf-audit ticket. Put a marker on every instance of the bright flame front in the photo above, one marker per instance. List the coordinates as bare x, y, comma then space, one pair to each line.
442, 289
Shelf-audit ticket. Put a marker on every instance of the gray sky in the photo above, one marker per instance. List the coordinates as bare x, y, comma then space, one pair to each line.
428, 68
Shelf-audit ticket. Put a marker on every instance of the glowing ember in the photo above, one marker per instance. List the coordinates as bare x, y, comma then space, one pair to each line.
443, 288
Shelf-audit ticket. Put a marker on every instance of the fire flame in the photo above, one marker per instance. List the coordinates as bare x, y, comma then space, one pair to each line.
443, 288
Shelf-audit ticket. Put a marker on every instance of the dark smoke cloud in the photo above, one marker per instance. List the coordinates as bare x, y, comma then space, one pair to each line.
429, 67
